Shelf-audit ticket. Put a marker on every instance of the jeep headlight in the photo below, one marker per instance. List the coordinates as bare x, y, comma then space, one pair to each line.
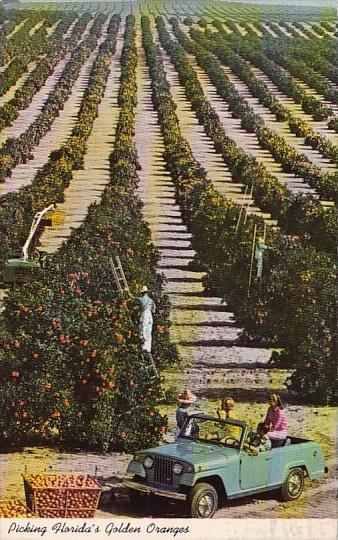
139, 458
148, 462
177, 468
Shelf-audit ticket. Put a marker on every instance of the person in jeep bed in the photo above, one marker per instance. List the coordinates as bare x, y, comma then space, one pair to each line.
259, 441
276, 422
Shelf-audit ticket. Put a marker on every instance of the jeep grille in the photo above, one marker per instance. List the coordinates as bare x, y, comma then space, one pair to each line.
163, 471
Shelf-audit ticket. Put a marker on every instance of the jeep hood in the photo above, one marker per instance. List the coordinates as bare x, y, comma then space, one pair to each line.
200, 454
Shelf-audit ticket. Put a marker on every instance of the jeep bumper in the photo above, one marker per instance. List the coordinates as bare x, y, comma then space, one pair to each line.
151, 490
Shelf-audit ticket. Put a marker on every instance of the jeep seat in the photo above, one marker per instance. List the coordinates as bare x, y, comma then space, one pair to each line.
286, 441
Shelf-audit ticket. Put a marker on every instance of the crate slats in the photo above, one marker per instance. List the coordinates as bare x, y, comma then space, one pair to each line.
62, 500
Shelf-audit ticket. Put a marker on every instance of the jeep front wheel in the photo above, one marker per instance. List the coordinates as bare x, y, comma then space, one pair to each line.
293, 485
203, 501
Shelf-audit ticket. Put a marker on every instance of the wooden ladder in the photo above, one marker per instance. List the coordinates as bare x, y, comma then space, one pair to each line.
150, 364
119, 275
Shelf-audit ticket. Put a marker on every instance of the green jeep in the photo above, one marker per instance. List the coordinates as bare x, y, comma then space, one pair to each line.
211, 461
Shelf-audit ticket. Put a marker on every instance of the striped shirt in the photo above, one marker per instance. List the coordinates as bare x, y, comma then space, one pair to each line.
276, 420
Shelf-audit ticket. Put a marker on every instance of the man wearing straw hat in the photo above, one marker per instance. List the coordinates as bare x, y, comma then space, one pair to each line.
185, 400
148, 308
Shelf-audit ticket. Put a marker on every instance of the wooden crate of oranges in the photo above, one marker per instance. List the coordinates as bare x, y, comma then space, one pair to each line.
62, 495
10, 508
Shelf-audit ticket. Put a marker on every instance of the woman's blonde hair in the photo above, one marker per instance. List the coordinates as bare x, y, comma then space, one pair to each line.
229, 402
277, 399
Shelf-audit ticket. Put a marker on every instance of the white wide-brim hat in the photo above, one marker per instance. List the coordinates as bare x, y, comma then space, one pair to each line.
144, 289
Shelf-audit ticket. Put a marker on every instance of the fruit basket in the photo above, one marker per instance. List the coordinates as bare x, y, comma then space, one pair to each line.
10, 508
53, 218
62, 495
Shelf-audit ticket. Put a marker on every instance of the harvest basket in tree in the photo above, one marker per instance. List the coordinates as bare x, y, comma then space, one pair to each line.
62, 495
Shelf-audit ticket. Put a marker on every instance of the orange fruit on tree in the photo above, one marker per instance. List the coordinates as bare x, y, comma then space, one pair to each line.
119, 337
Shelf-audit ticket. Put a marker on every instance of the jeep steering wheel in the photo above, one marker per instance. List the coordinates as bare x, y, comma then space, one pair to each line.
230, 439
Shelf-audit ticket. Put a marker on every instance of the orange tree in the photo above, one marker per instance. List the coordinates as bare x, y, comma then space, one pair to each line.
45, 67
296, 292
298, 214
71, 366
17, 209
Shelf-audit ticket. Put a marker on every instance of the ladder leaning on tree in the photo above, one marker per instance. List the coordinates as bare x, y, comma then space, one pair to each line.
119, 275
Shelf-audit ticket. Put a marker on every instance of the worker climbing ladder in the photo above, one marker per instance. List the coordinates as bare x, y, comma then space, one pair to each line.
123, 287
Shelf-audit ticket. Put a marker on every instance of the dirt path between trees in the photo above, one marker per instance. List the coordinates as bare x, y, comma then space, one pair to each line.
87, 184
60, 129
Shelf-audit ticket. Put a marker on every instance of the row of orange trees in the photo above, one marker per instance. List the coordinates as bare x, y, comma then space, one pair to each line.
260, 90
317, 54
21, 40
296, 214
19, 150
9, 18
292, 306
298, 68
26, 48
71, 367
290, 159
254, 51
37, 78
17, 209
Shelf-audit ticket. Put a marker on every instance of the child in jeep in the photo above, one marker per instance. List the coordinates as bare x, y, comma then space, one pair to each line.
259, 441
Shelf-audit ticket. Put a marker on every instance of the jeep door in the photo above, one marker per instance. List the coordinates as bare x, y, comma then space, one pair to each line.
255, 470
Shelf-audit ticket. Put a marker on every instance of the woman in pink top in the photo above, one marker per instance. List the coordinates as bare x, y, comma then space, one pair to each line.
275, 420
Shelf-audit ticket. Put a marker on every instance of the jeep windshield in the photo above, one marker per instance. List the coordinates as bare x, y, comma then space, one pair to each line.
212, 431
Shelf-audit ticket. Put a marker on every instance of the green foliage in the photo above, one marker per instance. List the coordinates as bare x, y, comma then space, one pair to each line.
296, 293
75, 375
18, 150
56, 50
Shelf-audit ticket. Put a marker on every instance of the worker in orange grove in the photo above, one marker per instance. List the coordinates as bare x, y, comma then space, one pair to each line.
226, 411
261, 247
185, 400
275, 420
148, 308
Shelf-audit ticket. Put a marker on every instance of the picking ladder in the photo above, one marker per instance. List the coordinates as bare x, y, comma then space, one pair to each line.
122, 285
119, 275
